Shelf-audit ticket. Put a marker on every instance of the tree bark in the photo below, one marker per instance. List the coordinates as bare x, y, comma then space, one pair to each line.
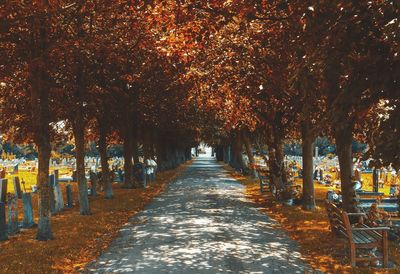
344, 139
44, 232
308, 182
276, 161
249, 152
39, 100
236, 159
128, 167
79, 135
135, 151
106, 177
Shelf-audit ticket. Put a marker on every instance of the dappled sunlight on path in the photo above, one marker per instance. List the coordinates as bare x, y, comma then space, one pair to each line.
202, 224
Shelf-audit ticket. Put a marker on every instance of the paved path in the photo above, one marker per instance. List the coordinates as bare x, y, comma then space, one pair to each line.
202, 224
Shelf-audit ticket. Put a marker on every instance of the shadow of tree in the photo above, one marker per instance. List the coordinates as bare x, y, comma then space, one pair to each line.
201, 224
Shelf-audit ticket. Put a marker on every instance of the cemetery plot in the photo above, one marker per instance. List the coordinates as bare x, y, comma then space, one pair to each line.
79, 239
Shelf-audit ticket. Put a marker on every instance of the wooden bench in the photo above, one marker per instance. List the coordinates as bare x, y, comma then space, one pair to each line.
264, 184
390, 205
264, 179
362, 237
363, 193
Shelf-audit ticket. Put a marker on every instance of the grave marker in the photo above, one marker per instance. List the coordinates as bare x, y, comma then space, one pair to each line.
17, 187
13, 214
3, 190
375, 180
28, 212
3, 224
59, 202
52, 199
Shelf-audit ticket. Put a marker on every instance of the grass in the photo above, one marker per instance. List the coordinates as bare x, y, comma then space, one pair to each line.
318, 246
78, 239
29, 178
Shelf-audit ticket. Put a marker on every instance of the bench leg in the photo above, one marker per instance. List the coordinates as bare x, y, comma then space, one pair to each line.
353, 255
385, 250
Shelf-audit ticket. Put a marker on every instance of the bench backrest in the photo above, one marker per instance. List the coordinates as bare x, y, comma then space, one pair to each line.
339, 221
369, 193
382, 201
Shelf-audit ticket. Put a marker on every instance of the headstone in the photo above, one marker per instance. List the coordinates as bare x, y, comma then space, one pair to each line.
3, 224
28, 212
59, 201
69, 195
52, 199
315, 175
375, 180
56, 176
17, 187
3, 190
13, 215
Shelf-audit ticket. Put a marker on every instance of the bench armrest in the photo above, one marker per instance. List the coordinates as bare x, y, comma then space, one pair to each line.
356, 214
370, 228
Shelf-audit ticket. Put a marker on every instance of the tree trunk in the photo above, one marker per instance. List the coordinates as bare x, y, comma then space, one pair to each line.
78, 129
236, 159
106, 177
308, 182
128, 167
344, 139
249, 152
44, 232
135, 151
276, 162
39, 100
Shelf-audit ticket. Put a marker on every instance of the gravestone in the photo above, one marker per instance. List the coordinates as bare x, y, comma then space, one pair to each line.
13, 215
3, 190
28, 212
17, 187
52, 199
375, 180
59, 201
68, 189
3, 224
315, 175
